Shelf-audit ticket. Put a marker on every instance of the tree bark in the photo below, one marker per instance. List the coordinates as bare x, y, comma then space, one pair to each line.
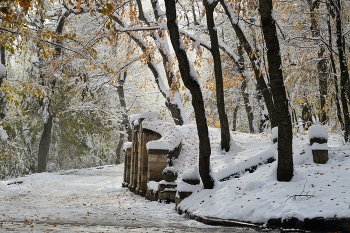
2, 94
335, 77
323, 83
2, 55
45, 140
255, 63
190, 80
119, 149
285, 136
220, 98
44, 145
306, 115
321, 62
176, 111
120, 91
244, 90
344, 73
234, 118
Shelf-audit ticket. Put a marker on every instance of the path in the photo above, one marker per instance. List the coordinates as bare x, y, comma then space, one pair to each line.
87, 200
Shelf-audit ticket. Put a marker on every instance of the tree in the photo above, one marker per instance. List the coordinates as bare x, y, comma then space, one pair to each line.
191, 82
321, 60
45, 140
255, 62
220, 99
172, 96
334, 70
2, 77
244, 89
125, 122
344, 72
285, 134
173, 100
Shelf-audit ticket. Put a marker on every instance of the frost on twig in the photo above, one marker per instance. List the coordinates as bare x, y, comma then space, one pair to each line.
302, 195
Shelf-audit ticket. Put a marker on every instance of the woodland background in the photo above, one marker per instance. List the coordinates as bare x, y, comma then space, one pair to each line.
77, 69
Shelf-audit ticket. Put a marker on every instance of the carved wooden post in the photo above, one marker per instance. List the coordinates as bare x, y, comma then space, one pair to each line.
134, 158
157, 160
146, 136
127, 163
318, 139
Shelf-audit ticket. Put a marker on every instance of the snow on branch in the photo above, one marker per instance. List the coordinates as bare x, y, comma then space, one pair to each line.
132, 29
222, 45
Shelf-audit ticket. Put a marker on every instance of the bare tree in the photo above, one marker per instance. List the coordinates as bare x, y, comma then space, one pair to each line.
190, 80
282, 114
45, 140
215, 51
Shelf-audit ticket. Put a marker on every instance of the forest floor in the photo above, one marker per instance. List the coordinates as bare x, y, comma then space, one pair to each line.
87, 200
315, 199
92, 199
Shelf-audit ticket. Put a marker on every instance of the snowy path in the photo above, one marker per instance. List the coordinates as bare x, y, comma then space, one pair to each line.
88, 200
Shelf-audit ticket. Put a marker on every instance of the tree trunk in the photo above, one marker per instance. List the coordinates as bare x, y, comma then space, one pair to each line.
306, 115
190, 80
220, 98
2, 94
120, 91
321, 61
44, 145
285, 136
255, 63
175, 108
244, 90
119, 149
335, 77
45, 140
344, 73
234, 118
323, 83
2, 55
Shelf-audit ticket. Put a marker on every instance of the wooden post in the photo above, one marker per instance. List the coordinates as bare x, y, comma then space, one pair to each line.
318, 137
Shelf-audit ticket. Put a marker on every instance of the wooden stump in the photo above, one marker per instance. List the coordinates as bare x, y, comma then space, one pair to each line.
320, 152
320, 156
318, 137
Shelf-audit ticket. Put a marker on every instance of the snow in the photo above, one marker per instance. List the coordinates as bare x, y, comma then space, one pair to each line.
170, 170
257, 197
92, 199
94, 196
274, 132
184, 187
152, 185
232, 15
240, 168
318, 146
171, 137
2, 71
177, 100
144, 115
318, 131
3, 134
193, 174
127, 145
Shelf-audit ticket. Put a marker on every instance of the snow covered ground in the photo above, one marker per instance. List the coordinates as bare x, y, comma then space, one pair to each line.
92, 200
87, 200
316, 190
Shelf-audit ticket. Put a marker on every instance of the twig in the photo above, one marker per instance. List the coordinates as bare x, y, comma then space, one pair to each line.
301, 195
